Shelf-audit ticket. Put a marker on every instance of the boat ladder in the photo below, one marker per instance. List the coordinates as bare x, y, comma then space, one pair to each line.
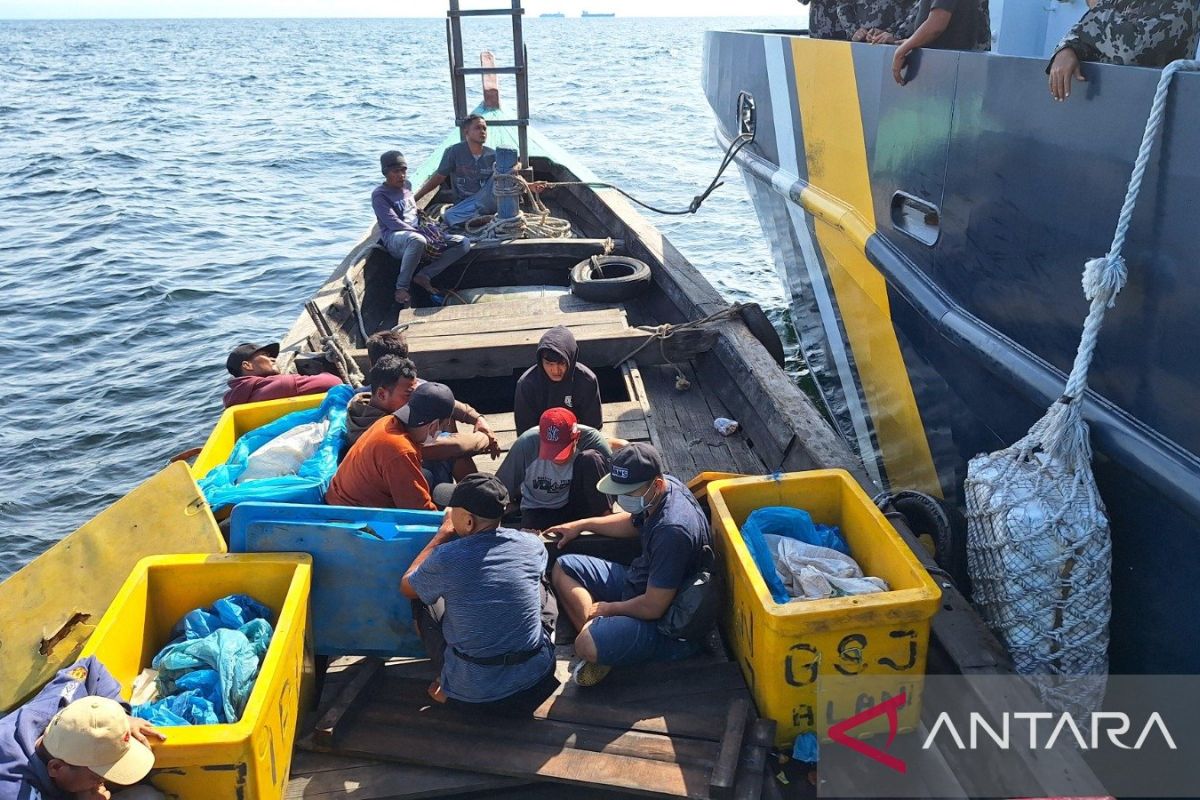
459, 71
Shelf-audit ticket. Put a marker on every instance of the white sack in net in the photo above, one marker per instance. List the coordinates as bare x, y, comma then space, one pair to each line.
1039, 555
811, 572
284, 454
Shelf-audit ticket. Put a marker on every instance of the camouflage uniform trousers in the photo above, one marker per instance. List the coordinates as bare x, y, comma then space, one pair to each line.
839, 19
1146, 33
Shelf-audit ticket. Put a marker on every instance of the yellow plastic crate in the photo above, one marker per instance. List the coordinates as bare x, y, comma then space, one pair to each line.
237, 420
249, 758
786, 650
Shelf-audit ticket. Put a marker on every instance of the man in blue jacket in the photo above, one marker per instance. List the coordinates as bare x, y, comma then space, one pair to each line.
73, 739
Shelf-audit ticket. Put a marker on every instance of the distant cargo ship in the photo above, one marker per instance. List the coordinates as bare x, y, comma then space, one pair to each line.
598, 14
554, 14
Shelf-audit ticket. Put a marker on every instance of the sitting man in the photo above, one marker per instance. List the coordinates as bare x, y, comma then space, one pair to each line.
468, 165
1144, 33
553, 470
255, 377
616, 608
73, 738
556, 380
402, 233
486, 617
383, 468
447, 454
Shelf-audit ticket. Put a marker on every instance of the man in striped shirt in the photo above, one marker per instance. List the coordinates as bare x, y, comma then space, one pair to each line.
485, 613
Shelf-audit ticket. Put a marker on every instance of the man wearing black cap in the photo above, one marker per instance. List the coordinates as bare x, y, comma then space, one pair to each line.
486, 617
403, 235
616, 608
256, 378
383, 468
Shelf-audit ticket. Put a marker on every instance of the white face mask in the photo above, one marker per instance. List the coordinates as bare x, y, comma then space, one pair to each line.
635, 505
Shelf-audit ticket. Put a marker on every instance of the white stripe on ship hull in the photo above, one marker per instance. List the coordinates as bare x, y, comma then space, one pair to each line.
776, 49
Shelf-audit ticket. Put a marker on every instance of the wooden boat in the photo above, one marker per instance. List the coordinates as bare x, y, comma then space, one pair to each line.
684, 729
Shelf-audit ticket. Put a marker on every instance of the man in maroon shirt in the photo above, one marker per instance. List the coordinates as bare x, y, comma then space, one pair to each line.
255, 377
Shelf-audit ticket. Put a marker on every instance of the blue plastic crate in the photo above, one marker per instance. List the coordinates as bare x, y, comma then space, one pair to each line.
359, 556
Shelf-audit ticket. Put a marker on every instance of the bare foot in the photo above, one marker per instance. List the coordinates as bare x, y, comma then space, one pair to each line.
435, 691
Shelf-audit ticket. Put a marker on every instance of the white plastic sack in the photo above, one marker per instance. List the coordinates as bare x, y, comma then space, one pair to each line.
284, 454
811, 572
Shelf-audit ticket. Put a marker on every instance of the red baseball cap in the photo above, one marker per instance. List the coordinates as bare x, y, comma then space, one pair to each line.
559, 432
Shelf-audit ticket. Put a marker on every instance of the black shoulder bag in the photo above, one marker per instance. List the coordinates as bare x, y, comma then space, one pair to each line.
697, 605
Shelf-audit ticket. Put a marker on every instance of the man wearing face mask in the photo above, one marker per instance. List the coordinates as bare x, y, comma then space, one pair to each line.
616, 608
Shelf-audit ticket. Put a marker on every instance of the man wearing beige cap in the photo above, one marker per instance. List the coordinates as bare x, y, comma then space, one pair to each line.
73, 739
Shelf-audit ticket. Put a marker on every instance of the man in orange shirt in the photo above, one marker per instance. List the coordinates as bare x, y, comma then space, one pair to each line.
383, 468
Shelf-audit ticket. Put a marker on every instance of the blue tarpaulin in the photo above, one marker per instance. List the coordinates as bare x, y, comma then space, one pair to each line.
308, 485
206, 673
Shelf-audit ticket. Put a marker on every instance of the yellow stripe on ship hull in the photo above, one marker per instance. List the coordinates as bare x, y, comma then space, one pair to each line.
839, 199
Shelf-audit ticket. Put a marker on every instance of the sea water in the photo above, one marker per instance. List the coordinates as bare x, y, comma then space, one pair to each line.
169, 189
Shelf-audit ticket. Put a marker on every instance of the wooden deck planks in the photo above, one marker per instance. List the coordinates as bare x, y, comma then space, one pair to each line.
658, 730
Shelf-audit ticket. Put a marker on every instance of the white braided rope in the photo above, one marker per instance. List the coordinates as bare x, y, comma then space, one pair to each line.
1039, 548
538, 224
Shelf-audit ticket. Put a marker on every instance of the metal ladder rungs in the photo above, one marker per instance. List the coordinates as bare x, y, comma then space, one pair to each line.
485, 12
517, 70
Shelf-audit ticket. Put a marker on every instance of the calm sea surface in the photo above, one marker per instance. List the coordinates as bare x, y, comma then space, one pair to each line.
171, 188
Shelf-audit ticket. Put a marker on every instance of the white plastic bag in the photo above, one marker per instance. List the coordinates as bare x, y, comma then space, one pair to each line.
811, 572
284, 454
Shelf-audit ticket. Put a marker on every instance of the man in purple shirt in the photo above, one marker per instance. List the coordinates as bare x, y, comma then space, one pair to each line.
402, 233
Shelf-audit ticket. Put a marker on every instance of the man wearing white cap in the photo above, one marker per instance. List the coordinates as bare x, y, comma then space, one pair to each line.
73, 739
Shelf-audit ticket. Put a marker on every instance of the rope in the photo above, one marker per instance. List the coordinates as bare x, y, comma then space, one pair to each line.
730, 153
660, 334
538, 224
1104, 277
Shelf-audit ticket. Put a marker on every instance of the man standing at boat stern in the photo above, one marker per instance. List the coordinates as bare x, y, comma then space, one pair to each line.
403, 235
1143, 33
485, 615
616, 609
383, 468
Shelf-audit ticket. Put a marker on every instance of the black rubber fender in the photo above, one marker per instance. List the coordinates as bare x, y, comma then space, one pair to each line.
759, 324
610, 279
944, 525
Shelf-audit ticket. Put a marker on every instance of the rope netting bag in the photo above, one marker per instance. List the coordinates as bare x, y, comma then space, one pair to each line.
1039, 549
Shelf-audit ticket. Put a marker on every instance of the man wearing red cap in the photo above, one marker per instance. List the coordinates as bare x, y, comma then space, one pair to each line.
553, 469
73, 739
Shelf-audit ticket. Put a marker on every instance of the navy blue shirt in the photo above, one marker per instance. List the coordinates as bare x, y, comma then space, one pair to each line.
23, 775
672, 540
491, 582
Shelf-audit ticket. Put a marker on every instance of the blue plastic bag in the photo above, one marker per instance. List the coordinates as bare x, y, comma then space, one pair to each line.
308, 485
206, 673
794, 523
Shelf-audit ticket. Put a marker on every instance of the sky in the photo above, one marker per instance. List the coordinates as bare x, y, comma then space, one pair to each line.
104, 9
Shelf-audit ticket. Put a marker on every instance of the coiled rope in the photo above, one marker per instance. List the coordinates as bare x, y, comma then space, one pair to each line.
537, 224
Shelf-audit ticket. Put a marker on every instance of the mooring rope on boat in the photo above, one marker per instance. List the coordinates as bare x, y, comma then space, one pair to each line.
731, 152
660, 334
538, 224
1039, 546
